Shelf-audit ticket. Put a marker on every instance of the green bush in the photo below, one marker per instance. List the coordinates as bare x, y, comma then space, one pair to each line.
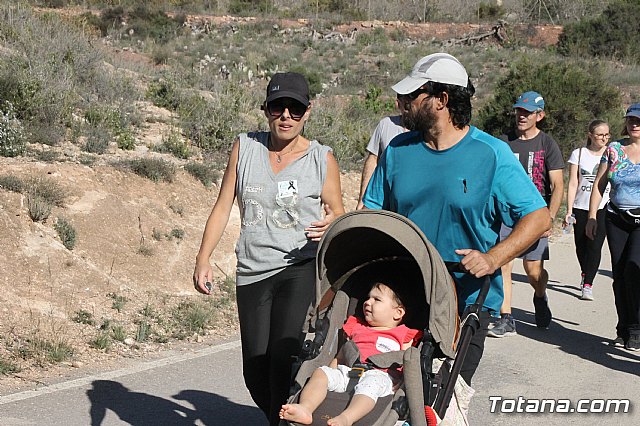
126, 140
35, 187
192, 317
102, 341
12, 138
161, 55
615, 33
155, 169
574, 93
490, 11
50, 71
202, 127
118, 302
66, 232
110, 18
46, 189
45, 133
205, 173
377, 37
143, 331
12, 183
346, 128
374, 103
54, 351
147, 22
51, 63
176, 233
247, 7
46, 156
146, 250
54, 4
213, 124
39, 208
8, 367
97, 141
118, 333
173, 143
164, 94
83, 317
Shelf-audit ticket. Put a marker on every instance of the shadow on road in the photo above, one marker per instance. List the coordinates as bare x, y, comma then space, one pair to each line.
141, 409
587, 346
214, 409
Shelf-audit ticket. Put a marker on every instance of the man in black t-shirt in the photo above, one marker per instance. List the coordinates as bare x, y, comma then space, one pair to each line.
540, 156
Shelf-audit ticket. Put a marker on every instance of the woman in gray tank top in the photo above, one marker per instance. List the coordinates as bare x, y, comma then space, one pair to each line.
283, 182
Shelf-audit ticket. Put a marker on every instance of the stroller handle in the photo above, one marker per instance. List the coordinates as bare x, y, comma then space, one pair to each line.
486, 283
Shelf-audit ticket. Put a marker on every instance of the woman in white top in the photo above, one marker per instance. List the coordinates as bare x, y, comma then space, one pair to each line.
584, 164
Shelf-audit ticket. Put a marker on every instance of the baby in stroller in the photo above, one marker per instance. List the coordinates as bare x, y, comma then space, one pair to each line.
375, 246
380, 330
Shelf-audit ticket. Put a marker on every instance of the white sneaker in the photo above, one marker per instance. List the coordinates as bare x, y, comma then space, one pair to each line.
587, 292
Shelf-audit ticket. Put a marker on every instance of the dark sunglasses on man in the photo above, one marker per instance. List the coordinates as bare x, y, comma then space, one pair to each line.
413, 95
276, 108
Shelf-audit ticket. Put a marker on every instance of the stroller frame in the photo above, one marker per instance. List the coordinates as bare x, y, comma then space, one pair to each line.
368, 236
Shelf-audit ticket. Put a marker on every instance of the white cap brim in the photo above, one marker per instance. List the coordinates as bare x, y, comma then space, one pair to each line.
408, 84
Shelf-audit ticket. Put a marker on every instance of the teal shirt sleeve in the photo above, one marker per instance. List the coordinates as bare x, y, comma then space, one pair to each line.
515, 193
376, 195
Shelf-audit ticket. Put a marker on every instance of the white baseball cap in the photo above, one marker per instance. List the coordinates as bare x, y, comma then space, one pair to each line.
437, 67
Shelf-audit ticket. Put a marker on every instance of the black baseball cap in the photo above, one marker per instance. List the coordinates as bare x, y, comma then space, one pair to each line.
288, 85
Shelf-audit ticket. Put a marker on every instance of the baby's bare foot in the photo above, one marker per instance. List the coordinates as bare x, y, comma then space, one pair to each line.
296, 413
340, 420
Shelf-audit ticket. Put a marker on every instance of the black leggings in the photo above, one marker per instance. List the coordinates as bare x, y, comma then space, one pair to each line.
588, 251
624, 244
271, 313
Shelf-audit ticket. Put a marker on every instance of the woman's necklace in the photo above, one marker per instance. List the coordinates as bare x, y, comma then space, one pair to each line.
278, 154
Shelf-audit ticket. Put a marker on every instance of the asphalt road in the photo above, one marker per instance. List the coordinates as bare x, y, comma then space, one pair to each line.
571, 361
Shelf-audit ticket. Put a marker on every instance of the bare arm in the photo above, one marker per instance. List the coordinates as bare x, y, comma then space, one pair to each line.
572, 189
528, 229
599, 186
556, 181
217, 222
331, 197
367, 171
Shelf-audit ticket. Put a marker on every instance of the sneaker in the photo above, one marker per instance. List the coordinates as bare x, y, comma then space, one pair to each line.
505, 326
618, 342
633, 344
587, 292
543, 313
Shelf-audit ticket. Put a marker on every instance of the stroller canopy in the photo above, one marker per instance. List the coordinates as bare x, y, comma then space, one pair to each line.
358, 238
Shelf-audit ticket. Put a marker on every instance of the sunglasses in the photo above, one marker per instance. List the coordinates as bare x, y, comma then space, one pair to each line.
277, 107
413, 95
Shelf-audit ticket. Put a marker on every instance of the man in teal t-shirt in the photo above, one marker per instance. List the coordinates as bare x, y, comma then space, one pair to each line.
458, 184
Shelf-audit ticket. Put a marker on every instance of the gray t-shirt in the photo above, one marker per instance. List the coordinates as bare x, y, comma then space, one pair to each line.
275, 208
538, 156
387, 129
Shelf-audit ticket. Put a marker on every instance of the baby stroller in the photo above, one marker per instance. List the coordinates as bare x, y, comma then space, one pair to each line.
353, 242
